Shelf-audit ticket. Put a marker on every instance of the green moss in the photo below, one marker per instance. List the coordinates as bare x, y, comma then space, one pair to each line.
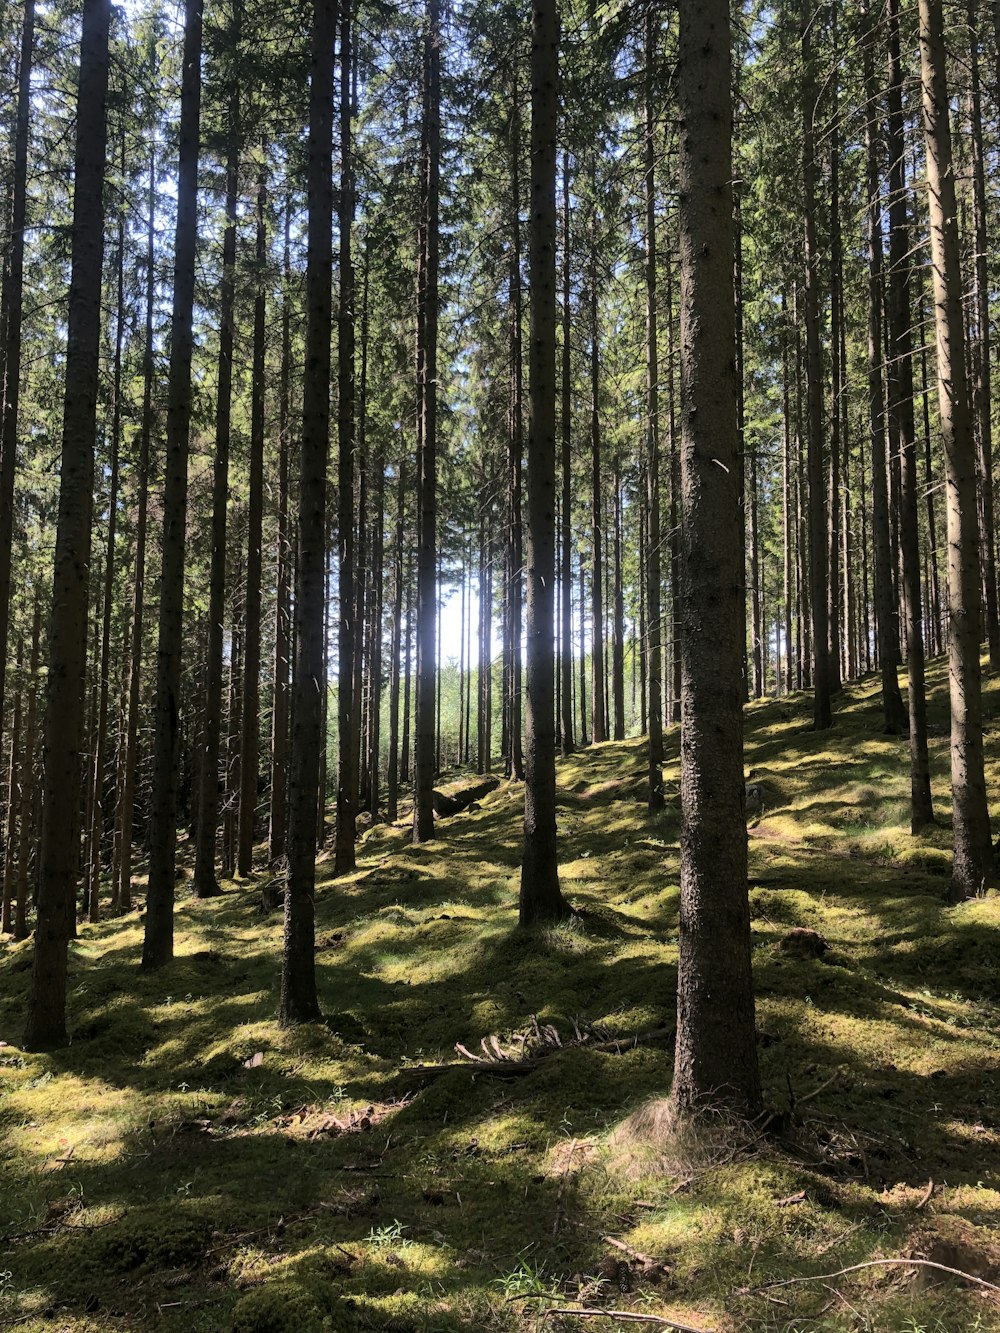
290, 1306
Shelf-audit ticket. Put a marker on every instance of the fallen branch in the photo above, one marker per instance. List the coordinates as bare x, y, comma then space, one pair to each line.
926, 1196
626, 1317
871, 1263
518, 1068
645, 1259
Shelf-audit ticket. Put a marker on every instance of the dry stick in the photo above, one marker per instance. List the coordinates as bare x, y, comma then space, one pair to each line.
634, 1254
626, 1316
873, 1263
925, 1197
514, 1068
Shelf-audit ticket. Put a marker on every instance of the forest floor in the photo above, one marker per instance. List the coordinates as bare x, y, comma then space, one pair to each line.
185, 1164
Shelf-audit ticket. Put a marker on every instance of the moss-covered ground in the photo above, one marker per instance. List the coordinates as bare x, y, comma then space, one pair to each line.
185, 1164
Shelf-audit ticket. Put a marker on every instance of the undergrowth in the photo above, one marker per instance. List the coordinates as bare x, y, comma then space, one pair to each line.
186, 1164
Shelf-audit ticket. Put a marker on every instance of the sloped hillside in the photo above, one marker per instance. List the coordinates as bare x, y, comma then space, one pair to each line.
185, 1164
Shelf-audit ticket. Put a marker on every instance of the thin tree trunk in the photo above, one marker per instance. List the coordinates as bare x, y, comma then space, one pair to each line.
973, 861
618, 620
158, 944
26, 820
599, 730
97, 773
347, 778
516, 452
982, 395
11, 311
299, 1001
823, 683
205, 884
14, 779
64, 714
122, 895
392, 776
540, 898
566, 439
887, 608
653, 636
901, 413
250, 739
427, 316
584, 739
282, 604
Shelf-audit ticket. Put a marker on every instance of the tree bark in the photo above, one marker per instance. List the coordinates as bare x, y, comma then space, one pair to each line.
885, 602
122, 894
653, 639
901, 413
299, 1002
206, 885
26, 819
716, 1052
347, 778
11, 310
540, 897
818, 556
14, 779
64, 715
566, 735
973, 861
250, 719
282, 603
598, 715
427, 331
158, 944
981, 345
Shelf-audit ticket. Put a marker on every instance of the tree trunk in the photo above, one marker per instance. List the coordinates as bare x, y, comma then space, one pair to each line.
347, 777
598, 715
26, 820
64, 714
427, 330
158, 944
392, 776
14, 779
122, 894
282, 606
540, 898
11, 303
823, 683
654, 657
618, 620
885, 602
982, 394
250, 739
566, 441
515, 556
901, 413
716, 1052
973, 862
299, 1002
98, 784
206, 885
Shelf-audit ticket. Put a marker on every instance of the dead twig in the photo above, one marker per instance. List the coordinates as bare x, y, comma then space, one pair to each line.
871, 1263
626, 1317
477, 1064
926, 1196
822, 1088
644, 1259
